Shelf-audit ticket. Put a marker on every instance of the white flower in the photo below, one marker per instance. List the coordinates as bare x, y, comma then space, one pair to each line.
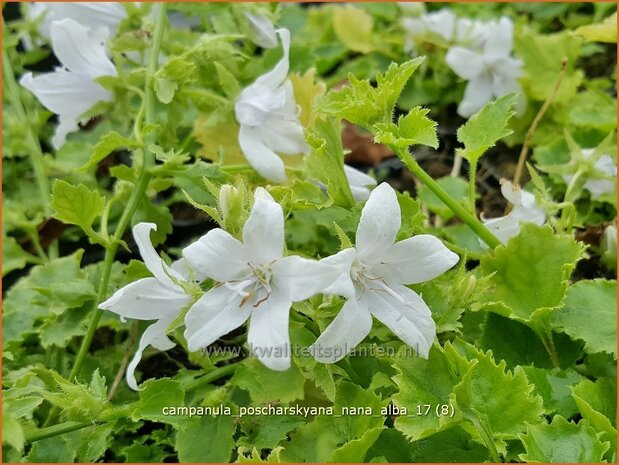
445, 27
262, 30
525, 209
359, 183
87, 14
256, 282
71, 90
606, 168
158, 298
268, 115
374, 276
490, 72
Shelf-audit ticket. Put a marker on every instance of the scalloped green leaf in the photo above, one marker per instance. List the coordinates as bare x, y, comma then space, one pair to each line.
530, 274
486, 127
590, 314
412, 129
364, 104
563, 442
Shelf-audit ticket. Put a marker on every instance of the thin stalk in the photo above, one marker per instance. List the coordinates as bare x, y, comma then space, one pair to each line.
36, 153
540, 114
470, 220
549, 345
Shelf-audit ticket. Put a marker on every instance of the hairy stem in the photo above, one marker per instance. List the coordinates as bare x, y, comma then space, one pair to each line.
472, 185
487, 438
470, 220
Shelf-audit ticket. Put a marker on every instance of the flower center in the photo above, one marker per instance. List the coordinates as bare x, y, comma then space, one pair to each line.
364, 280
255, 287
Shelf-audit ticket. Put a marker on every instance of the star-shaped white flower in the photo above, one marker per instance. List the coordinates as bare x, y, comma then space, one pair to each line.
160, 297
606, 170
88, 14
256, 282
445, 27
71, 90
525, 209
359, 182
269, 118
492, 71
374, 274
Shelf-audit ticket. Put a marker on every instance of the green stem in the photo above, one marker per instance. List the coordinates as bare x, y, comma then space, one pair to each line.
123, 411
472, 185
134, 200
549, 345
12, 90
470, 220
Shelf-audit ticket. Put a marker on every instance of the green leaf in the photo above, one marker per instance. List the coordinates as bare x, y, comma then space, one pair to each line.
13, 256
501, 401
206, 439
353, 27
269, 431
411, 129
165, 89
92, 442
590, 314
562, 441
78, 205
597, 403
12, 432
265, 385
606, 31
542, 55
109, 143
326, 161
155, 395
423, 382
554, 388
227, 81
486, 127
355, 450
530, 274
452, 445
365, 105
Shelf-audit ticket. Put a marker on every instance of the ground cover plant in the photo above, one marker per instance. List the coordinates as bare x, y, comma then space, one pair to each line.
369, 232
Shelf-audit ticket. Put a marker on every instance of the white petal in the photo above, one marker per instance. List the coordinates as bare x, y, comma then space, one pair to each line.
91, 14
500, 40
477, 93
300, 278
263, 233
155, 335
264, 160
284, 136
146, 299
277, 75
504, 227
262, 29
410, 318
79, 51
218, 255
65, 93
379, 224
343, 285
152, 260
464, 62
268, 332
606, 165
511, 192
599, 187
415, 260
348, 329
359, 183
214, 315
66, 125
